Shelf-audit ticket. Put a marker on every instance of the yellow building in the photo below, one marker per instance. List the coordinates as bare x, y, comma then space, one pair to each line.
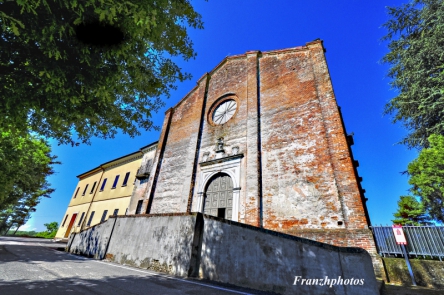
103, 191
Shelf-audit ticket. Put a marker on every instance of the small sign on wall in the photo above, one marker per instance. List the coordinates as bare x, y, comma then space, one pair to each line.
400, 240
399, 235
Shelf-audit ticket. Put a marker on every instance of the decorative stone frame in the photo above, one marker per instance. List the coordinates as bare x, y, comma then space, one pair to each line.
220, 100
228, 165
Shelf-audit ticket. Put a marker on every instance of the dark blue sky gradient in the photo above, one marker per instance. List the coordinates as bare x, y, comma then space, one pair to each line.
351, 31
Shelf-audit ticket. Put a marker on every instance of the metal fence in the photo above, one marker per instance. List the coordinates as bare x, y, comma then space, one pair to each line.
425, 241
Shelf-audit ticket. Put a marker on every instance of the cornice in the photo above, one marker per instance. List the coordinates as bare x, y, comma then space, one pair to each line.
221, 160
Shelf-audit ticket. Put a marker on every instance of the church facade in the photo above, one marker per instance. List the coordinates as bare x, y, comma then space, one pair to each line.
260, 140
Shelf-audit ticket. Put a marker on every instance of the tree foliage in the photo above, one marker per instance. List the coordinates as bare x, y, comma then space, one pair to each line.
53, 226
58, 80
410, 212
22, 212
18, 214
51, 230
416, 57
25, 164
427, 177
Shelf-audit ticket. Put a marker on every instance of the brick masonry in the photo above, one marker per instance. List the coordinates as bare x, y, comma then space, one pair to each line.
297, 173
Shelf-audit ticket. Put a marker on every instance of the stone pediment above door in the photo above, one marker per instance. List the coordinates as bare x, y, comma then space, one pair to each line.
221, 160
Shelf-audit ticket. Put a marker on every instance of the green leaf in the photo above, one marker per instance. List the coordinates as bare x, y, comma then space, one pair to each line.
427, 177
15, 29
416, 42
93, 80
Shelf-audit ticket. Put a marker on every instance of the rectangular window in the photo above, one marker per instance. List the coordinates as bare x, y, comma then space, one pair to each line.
90, 218
92, 189
116, 211
77, 191
103, 184
104, 216
139, 207
94, 186
115, 181
66, 217
81, 218
125, 181
84, 191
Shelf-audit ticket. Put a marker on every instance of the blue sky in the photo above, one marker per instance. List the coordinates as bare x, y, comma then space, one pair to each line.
351, 31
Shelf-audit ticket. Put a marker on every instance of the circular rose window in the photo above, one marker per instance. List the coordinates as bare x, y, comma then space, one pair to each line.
223, 112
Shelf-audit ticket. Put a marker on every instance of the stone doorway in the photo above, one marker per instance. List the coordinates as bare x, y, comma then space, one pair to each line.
219, 196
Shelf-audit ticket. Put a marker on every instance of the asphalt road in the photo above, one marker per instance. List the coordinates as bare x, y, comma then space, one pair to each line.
34, 266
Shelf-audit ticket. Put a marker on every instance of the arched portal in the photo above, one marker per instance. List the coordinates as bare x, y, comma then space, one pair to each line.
219, 196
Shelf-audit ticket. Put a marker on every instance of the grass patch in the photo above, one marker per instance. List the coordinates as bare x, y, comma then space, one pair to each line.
32, 234
428, 273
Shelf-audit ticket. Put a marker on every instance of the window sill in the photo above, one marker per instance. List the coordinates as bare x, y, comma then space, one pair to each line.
123, 185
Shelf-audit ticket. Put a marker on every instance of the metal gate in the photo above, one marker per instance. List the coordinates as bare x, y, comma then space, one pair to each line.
219, 197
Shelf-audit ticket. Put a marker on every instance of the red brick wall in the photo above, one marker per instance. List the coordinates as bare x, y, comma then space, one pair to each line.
298, 180
308, 176
174, 178
339, 152
236, 77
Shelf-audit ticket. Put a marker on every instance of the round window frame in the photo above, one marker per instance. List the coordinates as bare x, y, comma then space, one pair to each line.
217, 103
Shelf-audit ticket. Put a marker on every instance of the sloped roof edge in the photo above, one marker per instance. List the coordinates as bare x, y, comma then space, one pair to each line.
277, 51
101, 166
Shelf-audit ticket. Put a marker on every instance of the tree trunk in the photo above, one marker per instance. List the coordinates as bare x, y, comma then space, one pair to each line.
3, 225
17, 229
8, 229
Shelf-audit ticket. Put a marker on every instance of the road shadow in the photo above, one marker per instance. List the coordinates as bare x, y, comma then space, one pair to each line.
31, 240
24, 253
106, 285
30, 255
130, 284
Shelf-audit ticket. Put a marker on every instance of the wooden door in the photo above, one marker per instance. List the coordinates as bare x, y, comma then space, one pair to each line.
219, 197
71, 223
